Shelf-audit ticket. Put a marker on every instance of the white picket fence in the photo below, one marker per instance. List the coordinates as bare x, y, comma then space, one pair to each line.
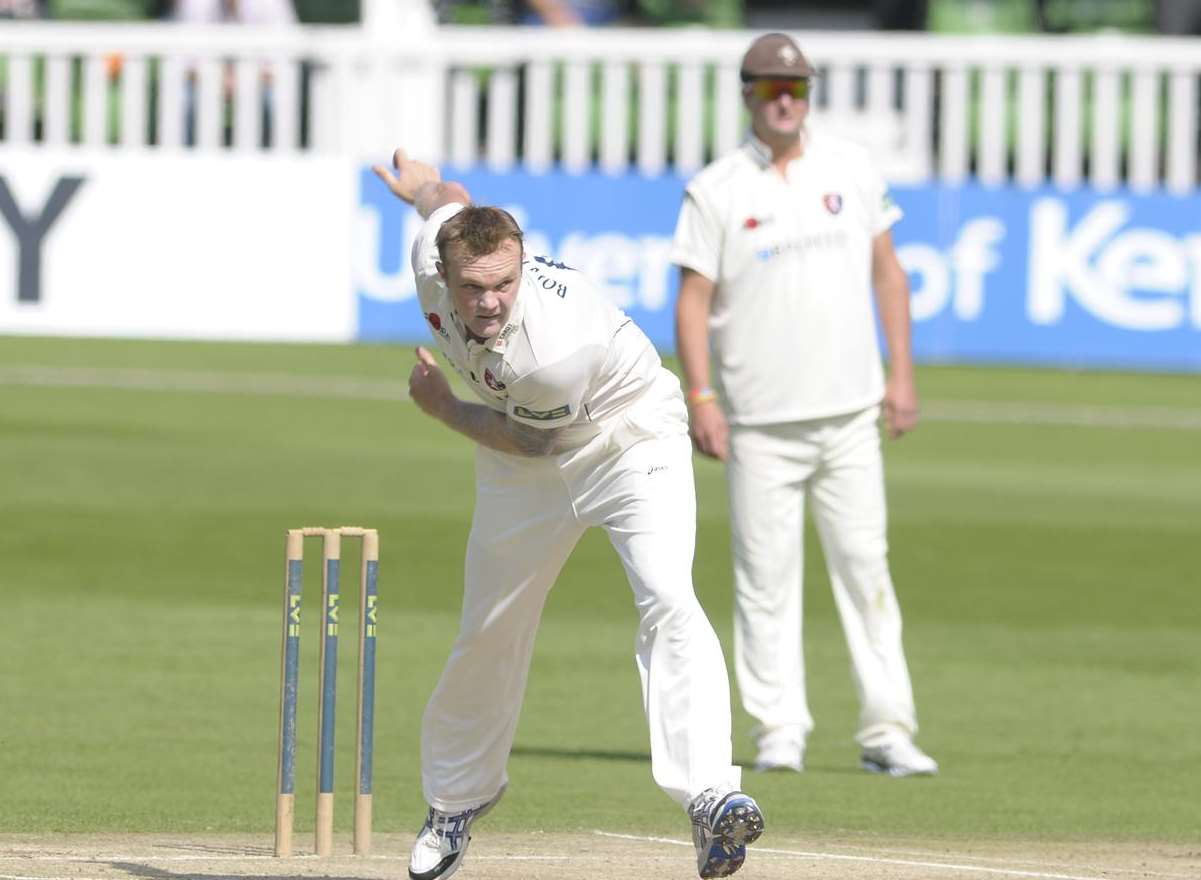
1107, 110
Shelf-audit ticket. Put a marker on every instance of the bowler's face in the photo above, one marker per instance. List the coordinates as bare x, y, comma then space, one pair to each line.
483, 289
778, 107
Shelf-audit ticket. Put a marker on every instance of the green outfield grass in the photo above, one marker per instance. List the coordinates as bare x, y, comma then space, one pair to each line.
1048, 572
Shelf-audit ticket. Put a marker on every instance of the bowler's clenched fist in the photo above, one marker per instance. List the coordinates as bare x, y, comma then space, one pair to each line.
428, 386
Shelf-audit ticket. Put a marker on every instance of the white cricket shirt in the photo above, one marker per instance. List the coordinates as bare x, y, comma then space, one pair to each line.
792, 328
566, 357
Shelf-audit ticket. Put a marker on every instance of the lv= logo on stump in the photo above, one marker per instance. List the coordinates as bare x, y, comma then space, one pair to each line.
327, 686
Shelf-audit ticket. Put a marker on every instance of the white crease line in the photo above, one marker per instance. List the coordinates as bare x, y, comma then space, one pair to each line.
912, 863
1141, 872
516, 858
24, 877
147, 857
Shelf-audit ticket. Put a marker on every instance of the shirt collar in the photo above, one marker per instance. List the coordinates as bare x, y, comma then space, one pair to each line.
760, 152
501, 340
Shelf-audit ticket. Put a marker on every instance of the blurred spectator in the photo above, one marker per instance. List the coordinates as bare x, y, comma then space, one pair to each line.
261, 13
22, 9
568, 13
555, 13
561, 13
1178, 17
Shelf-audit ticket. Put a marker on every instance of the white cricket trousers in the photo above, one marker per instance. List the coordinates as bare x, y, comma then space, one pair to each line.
636, 482
836, 464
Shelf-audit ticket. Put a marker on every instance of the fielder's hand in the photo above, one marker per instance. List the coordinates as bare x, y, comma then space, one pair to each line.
899, 407
709, 429
428, 386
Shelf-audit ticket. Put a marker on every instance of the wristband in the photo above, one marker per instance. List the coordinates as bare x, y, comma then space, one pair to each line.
697, 396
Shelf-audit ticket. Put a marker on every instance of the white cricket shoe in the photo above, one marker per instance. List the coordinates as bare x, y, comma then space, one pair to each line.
442, 841
780, 748
723, 823
786, 758
898, 757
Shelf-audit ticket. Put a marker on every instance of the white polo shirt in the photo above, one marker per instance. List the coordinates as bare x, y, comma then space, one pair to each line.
792, 327
566, 357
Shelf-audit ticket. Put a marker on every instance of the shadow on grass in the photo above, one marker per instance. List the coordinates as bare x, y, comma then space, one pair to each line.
823, 769
579, 754
133, 869
645, 758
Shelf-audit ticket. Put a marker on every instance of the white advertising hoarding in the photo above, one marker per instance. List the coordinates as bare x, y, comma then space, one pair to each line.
176, 246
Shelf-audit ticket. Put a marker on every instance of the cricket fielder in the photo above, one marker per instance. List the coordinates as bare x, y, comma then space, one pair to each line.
783, 245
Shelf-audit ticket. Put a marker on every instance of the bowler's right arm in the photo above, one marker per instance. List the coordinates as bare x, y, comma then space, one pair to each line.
420, 185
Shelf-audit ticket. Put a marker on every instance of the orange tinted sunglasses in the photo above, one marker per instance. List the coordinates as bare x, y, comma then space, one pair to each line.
770, 89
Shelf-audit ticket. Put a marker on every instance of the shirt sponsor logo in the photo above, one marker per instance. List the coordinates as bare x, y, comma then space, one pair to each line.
548, 415
818, 241
833, 202
492, 382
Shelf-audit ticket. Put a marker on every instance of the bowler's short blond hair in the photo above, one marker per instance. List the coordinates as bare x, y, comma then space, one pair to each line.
478, 230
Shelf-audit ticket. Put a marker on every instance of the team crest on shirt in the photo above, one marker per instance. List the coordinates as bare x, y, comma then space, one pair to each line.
833, 202
492, 382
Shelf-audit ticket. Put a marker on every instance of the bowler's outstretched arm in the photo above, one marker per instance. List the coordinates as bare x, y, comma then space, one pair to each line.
420, 184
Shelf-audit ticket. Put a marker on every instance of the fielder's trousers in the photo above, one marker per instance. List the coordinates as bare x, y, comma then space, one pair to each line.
835, 464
